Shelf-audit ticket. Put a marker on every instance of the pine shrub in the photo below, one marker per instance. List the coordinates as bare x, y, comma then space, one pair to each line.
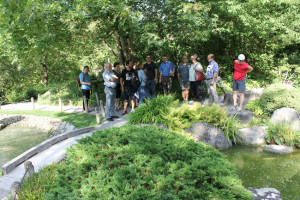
144, 163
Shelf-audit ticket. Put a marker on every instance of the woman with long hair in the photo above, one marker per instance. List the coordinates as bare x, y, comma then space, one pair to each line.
195, 85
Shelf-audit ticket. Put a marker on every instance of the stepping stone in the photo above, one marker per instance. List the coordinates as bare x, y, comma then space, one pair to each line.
243, 115
279, 149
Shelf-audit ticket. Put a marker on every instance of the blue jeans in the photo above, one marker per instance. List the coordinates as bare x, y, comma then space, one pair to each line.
151, 86
143, 93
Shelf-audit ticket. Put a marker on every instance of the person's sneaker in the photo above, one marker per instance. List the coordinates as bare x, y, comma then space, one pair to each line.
110, 119
114, 117
125, 112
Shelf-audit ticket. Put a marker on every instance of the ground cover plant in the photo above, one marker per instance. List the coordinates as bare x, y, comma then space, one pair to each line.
283, 135
142, 163
79, 120
165, 110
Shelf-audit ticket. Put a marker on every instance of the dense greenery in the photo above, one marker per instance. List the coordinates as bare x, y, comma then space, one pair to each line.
283, 135
277, 96
139, 163
77, 119
166, 110
45, 42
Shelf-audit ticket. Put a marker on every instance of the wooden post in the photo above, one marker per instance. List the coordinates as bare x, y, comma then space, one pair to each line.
39, 97
0, 105
85, 104
102, 109
97, 98
60, 105
32, 101
71, 102
50, 97
97, 116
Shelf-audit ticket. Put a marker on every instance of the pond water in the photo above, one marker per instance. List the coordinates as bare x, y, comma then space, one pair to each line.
259, 169
16, 140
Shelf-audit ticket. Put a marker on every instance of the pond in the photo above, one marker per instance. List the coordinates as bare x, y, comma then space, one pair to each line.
16, 140
260, 169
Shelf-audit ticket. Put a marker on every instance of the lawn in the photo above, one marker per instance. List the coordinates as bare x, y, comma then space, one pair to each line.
78, 120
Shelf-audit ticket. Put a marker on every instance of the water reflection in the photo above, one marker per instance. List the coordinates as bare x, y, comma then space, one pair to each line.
257, 168
16, 140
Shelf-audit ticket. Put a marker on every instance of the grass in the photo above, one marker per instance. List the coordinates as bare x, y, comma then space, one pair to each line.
79, 120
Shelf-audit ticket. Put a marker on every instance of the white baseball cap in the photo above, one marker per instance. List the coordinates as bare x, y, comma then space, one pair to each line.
241, 57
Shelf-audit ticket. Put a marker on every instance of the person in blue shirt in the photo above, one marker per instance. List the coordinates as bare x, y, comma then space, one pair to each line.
167, 71
212, 72
143, 90
86, 84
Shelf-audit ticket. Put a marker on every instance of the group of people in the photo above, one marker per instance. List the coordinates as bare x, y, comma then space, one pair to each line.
136, 83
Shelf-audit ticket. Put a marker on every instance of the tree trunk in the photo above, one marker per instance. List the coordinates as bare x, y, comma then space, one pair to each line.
45, 73
121, 58
130, 48
124, 47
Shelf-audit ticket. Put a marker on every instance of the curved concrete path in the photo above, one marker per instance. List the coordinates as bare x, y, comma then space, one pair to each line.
49, 156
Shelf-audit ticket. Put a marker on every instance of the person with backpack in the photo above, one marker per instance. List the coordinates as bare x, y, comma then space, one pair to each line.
128, 85
85, 85
110, 82
143, 90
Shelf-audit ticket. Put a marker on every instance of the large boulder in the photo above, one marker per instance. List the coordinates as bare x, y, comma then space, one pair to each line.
279, 149
254, 135
243, 115
249, 96
284, 116
203, 132
265, 193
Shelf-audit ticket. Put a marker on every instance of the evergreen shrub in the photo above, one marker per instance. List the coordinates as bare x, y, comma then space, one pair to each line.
279, 95
144, 163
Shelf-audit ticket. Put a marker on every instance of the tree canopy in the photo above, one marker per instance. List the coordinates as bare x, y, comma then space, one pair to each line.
45, 41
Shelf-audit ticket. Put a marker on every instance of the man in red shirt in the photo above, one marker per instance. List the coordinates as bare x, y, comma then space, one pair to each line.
240, 70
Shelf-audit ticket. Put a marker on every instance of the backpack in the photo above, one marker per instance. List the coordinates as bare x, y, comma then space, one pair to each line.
78, 79
135, 82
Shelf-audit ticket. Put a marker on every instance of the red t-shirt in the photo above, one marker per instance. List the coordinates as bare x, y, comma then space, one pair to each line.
240, 70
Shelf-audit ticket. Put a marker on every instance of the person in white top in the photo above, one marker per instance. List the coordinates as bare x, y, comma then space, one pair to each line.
195, 85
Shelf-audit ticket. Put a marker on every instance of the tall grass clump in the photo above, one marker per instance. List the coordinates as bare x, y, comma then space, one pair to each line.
143, 163
283, 135
152, 111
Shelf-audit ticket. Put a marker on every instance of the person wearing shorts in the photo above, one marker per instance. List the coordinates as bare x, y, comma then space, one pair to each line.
126, 86
116, 71
183, 76
241, 68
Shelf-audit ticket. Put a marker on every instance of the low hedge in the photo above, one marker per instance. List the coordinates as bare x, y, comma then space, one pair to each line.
142, 163
279, 95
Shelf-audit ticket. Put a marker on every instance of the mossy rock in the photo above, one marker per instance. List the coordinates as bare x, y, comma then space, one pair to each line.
279, 95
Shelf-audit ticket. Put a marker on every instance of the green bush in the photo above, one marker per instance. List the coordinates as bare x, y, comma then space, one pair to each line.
144, 163
254, 106
282, 135
164, 110
279, 95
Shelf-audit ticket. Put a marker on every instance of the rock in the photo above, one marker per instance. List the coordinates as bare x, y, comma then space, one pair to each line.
254, 135
279, 149
286, 116
16, 190
63, 128
243, 115
249, 96
2, 126
265, 193
203, 132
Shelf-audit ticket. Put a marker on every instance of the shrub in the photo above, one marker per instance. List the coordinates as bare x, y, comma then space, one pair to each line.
279, 95
144, 163
282, 135
152, 111
164, 110
254, 106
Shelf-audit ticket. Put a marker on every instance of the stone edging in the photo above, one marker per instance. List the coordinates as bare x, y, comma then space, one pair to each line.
12, 164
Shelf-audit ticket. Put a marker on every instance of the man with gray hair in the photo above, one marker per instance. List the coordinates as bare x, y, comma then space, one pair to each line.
110, 82
212, 72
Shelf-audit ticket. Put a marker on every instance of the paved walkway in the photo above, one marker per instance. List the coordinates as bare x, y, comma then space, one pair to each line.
54, 152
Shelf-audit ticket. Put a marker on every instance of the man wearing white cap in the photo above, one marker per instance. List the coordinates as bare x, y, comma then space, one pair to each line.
240, 70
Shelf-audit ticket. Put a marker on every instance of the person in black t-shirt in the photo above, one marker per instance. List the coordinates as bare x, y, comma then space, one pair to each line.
151, 75
126, 85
